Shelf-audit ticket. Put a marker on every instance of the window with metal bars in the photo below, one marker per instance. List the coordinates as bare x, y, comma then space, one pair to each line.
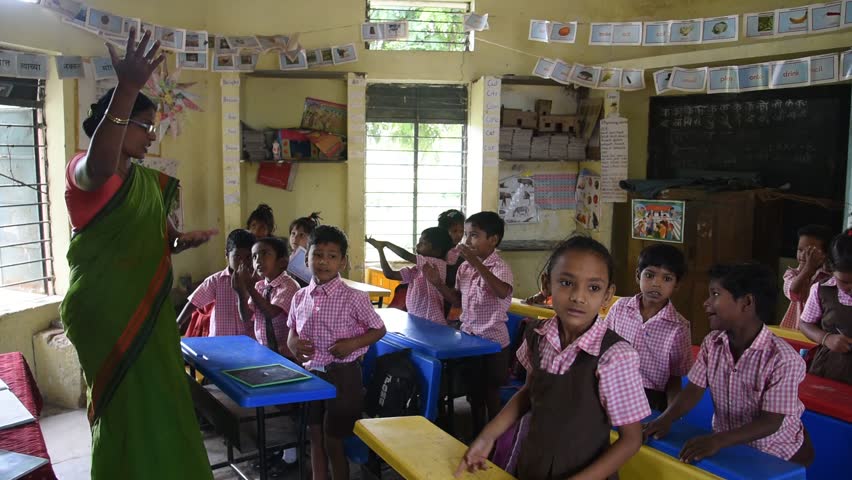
436, 25
416, 159
26, 261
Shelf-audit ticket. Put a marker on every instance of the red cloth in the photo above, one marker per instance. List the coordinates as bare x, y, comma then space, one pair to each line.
83, 205
199, 322
26, 439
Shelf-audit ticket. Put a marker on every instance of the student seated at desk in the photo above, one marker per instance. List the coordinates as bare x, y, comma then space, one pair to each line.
300, 230
811, 250
753, 375
484, 291
650, 322
218, 290
422, 298
261, 221
265, 304
827, 316
331, 327
582, 379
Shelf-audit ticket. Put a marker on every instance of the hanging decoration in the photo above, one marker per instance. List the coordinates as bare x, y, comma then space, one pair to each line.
173, 98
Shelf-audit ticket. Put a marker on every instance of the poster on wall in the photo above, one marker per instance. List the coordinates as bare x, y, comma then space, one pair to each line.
658, 220
588, 213
517, 200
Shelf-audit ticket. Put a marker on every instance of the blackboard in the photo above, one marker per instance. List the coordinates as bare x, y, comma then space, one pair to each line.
797, 136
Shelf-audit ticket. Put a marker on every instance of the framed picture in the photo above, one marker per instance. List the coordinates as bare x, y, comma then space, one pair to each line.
658, 220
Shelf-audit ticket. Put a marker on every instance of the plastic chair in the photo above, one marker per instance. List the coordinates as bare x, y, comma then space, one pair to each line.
430, 385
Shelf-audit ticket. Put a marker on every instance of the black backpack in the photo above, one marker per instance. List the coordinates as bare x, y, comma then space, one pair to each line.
394, 389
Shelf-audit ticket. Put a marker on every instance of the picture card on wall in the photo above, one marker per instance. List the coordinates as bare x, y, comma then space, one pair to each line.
610, 79
69, 67
629, 33
824, 17
66, 8
563, 32
224, 62
793, 21
584, 75
753, 77
170, 38
342, 53
661, 80
539, 30
600, 34
298, 63
544, 67
196, 41
192, 60
32, 66
103, 68
8, 64
104, 21
632, 79
762, 24
248, 42
689, 79
128, 24
223, 46
847, 13
656, 34
824, 69
721, 29
723, 80
272, 42
846, 65
790, 73
319, 57
685, 32
246, 62
562, 72
475, 22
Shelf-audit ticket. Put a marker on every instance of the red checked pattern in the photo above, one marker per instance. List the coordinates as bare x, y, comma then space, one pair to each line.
423, 299
283, 289
225, 319
663, 342
766, 378
330, 312
483, 314
812, 313
619, 380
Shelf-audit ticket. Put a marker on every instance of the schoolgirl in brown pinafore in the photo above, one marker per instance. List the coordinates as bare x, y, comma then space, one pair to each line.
836, 318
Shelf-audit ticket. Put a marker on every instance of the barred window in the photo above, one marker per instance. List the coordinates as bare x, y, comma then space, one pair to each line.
432, 25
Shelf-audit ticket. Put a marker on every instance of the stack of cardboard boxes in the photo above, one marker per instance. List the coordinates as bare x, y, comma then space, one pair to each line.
553, 133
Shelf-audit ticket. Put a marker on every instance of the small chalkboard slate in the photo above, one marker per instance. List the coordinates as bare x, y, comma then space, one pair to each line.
265, 375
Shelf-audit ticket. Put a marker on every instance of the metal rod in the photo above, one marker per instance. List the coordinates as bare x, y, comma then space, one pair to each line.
25, 243
25, 282
15, 205
18, 185
26, 263
22, 224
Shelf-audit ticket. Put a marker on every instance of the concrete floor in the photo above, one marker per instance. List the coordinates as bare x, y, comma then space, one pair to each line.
68, 439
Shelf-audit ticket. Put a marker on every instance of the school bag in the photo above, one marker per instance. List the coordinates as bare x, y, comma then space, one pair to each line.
394, 389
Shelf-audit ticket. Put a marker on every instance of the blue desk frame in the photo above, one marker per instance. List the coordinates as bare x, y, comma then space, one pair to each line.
439, 341
212, 355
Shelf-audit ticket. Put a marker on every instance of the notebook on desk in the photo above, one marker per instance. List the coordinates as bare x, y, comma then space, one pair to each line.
16, 465
12, 411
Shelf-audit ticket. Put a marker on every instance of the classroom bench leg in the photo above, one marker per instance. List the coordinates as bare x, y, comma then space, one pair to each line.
451, 409
303, 423
261, 441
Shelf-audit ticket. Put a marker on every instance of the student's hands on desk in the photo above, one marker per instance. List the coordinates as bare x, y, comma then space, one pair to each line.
699, 448
476, 456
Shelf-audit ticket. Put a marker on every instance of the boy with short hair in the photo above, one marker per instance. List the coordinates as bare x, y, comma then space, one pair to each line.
484, 291
331, 327
753, 375
218, 289
811, 251
266, 303
650, 322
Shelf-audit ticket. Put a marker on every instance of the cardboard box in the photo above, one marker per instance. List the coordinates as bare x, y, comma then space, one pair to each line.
519, 118
558, 124
543, 107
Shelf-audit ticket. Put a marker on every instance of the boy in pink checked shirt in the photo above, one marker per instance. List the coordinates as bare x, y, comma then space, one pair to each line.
218, 289
422, 298
650, 322
811, 252
582, 380
331, 327
266, 303
753, 375
484, 290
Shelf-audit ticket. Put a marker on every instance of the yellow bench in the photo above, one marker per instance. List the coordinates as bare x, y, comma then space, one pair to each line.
532, 311
652, 463
419, 450
790, 333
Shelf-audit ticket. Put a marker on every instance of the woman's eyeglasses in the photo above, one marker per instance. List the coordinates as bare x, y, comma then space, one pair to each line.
149, 128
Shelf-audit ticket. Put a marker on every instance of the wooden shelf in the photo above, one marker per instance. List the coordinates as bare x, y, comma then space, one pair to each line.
302, 74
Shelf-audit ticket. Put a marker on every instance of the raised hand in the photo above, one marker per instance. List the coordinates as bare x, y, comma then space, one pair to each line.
377, 244
194, 239
134, 70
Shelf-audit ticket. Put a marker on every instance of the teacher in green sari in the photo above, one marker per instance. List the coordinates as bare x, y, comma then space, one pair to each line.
117, 311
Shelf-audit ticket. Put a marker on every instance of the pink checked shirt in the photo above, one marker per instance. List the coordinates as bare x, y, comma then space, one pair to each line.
812, 313
283, 289
766, 378
454, 254
794, 311
423, 299
483, 314
663, 342
330, 312
619, 380
225, 319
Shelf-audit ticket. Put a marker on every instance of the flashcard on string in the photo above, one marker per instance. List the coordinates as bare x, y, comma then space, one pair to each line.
689, 79
656, 34
723, 80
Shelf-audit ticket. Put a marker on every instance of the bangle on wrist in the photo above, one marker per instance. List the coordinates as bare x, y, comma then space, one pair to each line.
118, 121
822, 342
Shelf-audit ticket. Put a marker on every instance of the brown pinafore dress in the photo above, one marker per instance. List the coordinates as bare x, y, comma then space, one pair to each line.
835, 315
569, 427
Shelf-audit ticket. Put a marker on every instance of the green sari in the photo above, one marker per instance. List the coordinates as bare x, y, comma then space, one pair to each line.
119, 316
